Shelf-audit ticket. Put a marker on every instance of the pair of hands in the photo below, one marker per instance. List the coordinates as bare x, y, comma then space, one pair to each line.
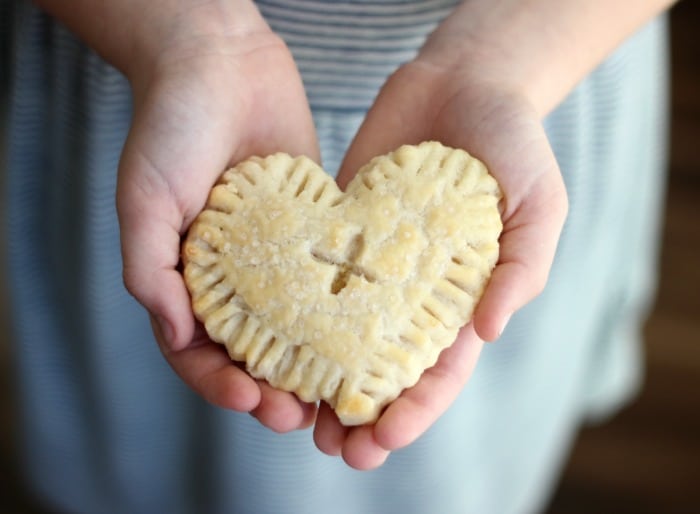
209, 102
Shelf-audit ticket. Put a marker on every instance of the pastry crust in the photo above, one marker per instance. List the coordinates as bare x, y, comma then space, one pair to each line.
344, 297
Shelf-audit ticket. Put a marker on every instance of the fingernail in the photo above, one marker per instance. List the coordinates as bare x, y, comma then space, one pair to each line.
506, 320
165, 330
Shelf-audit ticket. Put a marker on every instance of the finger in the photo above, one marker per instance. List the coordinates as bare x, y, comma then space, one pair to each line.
412, 413
310, 412
362, 451
150, 275
329, 433
281, 411
208, 370
527, 248
150, 225
159, 287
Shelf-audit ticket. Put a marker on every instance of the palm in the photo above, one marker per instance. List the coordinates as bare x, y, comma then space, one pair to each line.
201, 111
421, 102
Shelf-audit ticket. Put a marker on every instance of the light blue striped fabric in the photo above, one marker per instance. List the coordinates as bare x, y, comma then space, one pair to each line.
108, 428
345, 50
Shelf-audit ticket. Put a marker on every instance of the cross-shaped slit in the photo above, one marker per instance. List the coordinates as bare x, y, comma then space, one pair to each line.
341, 279
346, 268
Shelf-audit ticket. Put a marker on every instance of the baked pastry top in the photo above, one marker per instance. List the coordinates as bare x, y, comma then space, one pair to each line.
345, 297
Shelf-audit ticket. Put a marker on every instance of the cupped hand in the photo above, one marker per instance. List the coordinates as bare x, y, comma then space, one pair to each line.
205, 103
425, 100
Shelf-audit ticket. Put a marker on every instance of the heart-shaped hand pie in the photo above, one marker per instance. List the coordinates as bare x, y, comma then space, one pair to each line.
344, 297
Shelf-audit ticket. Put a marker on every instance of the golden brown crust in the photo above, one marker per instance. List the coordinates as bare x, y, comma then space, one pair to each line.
344, 297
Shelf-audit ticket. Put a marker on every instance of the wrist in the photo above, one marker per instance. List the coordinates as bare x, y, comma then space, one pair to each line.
538, 48
171, 33
476, 75
134, 36
481, 63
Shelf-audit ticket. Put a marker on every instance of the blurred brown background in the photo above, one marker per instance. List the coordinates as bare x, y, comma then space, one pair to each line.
647, 458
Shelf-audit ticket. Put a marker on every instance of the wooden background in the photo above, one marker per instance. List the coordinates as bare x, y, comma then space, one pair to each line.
646, 459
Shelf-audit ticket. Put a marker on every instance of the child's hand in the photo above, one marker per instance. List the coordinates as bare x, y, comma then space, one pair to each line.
424, 101
206, 103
